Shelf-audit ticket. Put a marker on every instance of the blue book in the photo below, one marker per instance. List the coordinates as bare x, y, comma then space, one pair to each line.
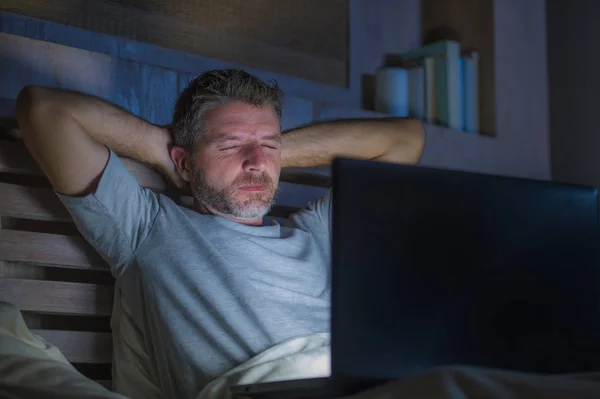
391, 91
449, 108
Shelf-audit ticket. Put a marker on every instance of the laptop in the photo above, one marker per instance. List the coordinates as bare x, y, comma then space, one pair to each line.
434, 267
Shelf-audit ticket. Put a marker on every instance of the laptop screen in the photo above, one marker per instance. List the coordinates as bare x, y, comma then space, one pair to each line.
436, 267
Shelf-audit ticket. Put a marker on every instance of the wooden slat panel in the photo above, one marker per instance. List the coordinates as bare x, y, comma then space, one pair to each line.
31, 203
57, 297
42, 226
55, 321
14, 158
50, 249
80, 346
44, 321
36, 271
24, 271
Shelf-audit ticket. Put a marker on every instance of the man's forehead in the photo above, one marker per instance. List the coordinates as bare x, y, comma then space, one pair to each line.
240, 112
240, 119
232, 130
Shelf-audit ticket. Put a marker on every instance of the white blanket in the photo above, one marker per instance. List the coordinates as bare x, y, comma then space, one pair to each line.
307, 357
32, 368
302, 357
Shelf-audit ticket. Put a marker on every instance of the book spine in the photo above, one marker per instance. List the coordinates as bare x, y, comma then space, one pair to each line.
471, 85
462, 92
449, 106
416, 85
430, 100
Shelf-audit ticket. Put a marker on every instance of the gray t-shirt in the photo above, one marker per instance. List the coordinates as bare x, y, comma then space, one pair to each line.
202, 293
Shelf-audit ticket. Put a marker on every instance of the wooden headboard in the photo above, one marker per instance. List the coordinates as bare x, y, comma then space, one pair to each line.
62, 286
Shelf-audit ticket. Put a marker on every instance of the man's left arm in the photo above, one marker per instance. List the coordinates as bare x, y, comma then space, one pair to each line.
396, 140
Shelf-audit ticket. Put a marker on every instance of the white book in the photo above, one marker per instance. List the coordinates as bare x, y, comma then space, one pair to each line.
391, 91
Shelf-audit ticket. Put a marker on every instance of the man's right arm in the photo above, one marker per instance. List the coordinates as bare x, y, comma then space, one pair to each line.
66, 133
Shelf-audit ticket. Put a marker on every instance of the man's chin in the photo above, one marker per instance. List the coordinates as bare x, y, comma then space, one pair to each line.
253, 208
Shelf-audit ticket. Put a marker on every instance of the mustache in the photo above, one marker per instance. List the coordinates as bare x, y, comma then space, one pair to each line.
252, 180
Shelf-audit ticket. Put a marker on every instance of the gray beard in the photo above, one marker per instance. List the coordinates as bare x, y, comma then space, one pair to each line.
222, 200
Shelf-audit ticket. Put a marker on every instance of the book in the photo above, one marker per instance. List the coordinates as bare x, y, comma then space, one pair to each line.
461, 91
391, 91
416, 91
446, 56
470, 61
430, 101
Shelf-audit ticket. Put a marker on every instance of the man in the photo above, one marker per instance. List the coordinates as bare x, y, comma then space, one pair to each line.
199, 291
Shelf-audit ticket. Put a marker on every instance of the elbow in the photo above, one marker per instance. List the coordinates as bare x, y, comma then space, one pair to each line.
31, 98
419, 139
405, 141
413, 139
31, 104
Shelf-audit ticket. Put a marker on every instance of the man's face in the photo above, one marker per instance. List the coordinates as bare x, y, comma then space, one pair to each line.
236, 163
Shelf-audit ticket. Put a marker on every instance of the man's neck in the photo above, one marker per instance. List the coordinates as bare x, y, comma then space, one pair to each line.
207, 210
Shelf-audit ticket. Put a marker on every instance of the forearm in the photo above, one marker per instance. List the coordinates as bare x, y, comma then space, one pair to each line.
398, 140
124, 133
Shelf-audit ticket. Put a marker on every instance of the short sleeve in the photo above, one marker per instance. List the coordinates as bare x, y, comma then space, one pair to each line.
317, 216
117, 217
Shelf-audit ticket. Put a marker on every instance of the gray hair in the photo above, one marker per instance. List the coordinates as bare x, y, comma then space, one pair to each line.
215, 88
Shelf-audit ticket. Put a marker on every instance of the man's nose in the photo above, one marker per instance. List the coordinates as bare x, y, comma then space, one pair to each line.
254, 159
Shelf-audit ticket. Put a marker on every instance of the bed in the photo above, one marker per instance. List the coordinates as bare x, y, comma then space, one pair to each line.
62, 287
65, 292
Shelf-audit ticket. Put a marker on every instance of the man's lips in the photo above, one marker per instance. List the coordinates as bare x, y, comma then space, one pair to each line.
253, 187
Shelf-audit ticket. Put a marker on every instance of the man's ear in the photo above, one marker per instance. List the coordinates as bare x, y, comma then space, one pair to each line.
183, 162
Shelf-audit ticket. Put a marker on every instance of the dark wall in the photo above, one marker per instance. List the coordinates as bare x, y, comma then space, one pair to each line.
377, 28
574, 75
